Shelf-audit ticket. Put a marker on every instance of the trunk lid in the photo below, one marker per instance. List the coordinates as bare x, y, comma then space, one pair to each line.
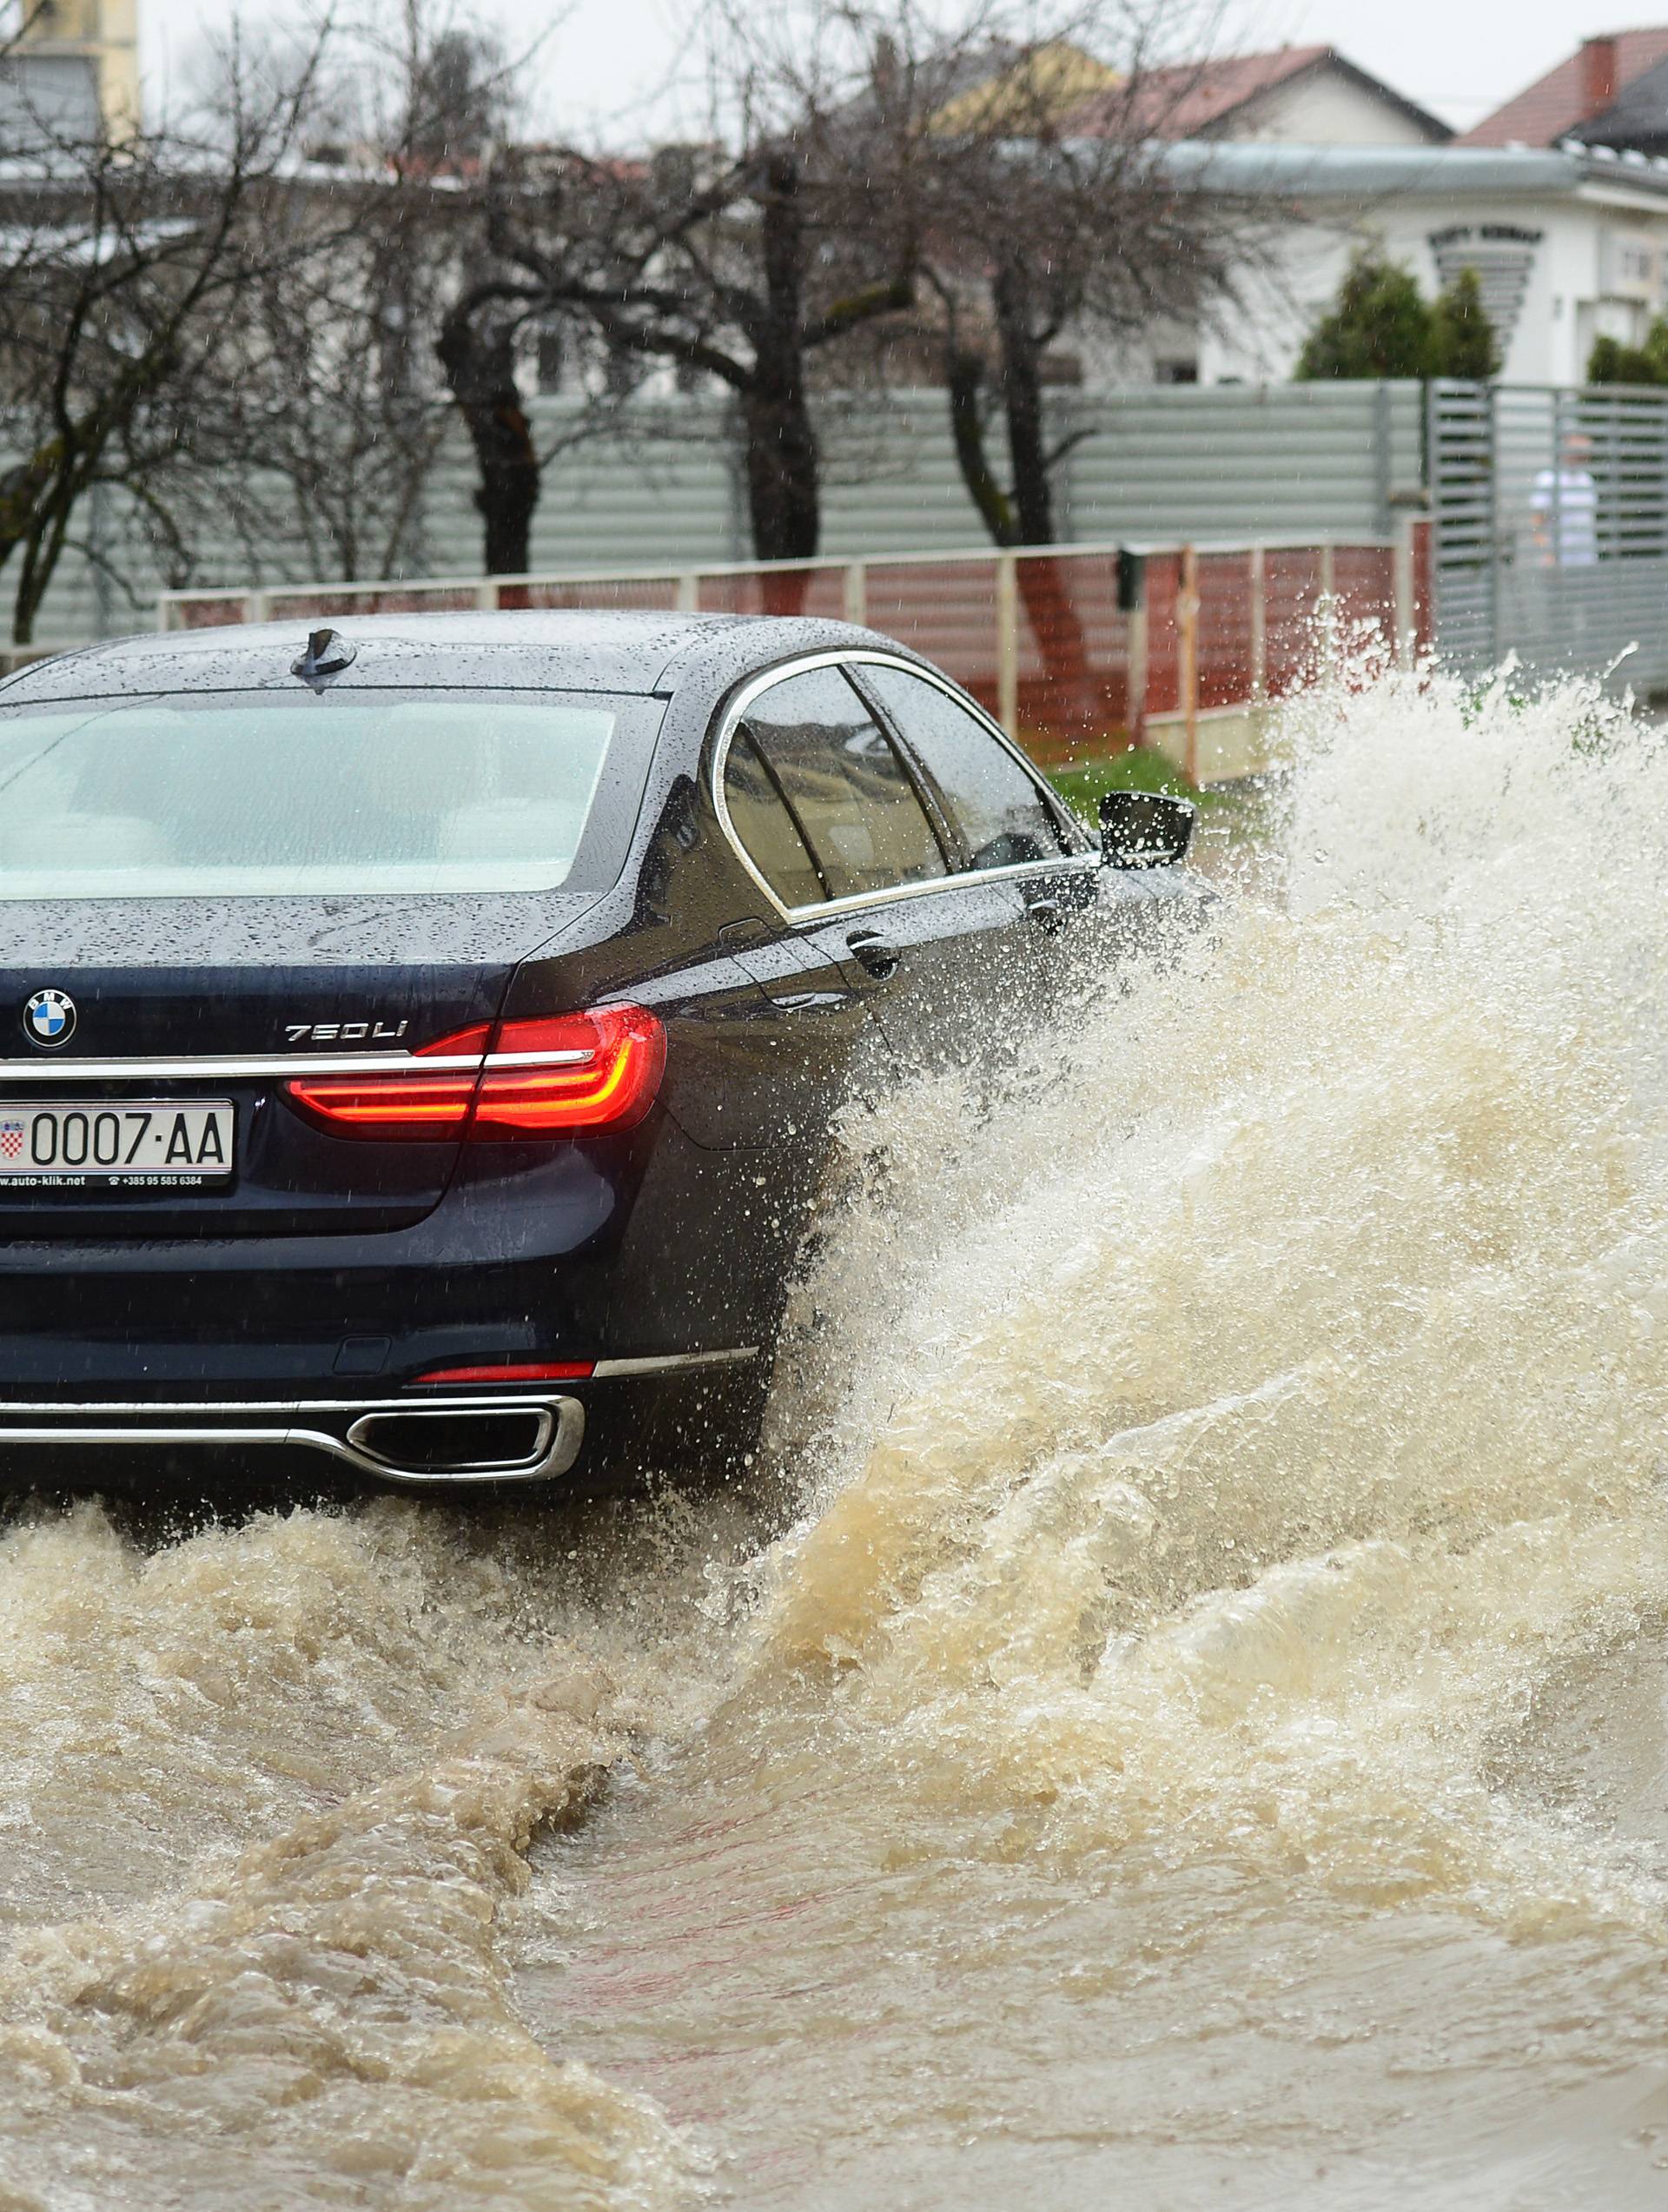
257, 984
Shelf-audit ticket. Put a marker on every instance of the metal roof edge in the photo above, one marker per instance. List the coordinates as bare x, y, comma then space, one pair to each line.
1292, 171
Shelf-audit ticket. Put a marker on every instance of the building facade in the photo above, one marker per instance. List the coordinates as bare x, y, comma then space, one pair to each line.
73, 67
1570, 244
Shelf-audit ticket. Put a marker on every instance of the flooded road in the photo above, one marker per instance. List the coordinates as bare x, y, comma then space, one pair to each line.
1183, 1721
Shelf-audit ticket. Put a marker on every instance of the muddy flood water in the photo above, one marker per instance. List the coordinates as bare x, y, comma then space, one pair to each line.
1181, 1722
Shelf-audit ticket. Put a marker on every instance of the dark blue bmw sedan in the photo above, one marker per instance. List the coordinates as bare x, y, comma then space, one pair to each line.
419, 1039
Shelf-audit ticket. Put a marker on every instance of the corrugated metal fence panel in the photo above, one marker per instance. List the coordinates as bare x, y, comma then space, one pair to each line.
1220, 461
1216, 461
1227, 461
892, 483
665, 494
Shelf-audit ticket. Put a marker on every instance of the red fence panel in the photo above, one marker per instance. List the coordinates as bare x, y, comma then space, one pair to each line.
1364, 585
1043, 640
1226, 643
652, 594
1072, 654
945, 610
817, 588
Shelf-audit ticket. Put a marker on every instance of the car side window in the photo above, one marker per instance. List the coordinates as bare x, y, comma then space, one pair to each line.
989, 794
769, 834
844, 785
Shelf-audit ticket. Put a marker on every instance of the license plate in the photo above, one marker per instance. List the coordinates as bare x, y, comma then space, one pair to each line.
114, 1145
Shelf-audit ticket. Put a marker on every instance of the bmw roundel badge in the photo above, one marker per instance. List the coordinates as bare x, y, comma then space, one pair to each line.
49, 1017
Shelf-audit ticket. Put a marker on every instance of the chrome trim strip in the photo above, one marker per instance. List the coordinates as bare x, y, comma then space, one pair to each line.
520, 1402
536, 1059
671, 1362
210, 1066
562, 1431
1067, 864
864, 657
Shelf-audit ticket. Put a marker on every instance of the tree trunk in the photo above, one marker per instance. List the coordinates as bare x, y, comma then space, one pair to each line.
1022, 402
965, 375
1074, 705
784, 471
479, 367
783, 505
37, 501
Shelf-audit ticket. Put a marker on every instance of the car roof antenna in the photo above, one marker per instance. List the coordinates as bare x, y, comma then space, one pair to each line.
327, 653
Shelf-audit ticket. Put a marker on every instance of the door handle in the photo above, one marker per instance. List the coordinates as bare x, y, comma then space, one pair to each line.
877, 954
1047, 913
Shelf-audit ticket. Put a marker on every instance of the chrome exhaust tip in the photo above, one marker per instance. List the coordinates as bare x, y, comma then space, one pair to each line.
457, 1442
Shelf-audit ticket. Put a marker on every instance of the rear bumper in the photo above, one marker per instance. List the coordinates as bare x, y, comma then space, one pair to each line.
544, 1261
481, 1438
631, 1413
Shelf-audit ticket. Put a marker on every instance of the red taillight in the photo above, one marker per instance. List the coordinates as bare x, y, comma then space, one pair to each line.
568, 1075
400, 1104
609, 1070
525, 1371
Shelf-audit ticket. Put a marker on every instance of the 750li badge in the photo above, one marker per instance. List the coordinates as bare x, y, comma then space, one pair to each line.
372, 1032
49, 1017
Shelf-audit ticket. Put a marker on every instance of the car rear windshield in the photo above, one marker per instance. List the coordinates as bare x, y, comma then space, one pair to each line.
265, 794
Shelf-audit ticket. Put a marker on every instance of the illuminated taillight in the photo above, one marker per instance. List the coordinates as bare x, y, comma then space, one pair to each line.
515, 1371
580, 1073
564, 1075
398, 1104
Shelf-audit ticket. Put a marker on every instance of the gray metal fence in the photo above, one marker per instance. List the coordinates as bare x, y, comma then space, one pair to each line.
1226, 461
1549, 515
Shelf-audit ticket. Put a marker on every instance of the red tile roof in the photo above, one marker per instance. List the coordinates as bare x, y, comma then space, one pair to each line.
1554, 104
1191, 99
1182, 101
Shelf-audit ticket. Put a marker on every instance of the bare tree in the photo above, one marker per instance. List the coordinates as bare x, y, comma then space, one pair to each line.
331, 412
1049, 225
743, 259
1054, 219
124, 268
326, 422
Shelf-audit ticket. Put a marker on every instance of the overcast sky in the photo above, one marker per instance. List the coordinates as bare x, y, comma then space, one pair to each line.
1460, 57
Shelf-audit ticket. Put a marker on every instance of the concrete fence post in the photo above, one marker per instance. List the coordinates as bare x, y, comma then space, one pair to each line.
1405, 615
687, 598
1258, 579
855, 592
1187, 632
1008, 643
1327, 608
486, 595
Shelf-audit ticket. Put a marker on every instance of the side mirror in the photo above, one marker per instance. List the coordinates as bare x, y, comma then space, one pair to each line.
1145, 829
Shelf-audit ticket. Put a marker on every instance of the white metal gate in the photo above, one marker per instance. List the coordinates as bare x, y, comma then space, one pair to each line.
1550, 527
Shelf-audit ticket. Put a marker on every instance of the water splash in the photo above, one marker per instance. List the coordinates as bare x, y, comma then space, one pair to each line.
1288, 1390
1215, 1469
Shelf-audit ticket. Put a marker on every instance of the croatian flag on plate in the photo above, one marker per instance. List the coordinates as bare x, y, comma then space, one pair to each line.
11, 1140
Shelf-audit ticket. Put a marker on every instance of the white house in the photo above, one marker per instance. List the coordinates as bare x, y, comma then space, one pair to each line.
1571, 243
